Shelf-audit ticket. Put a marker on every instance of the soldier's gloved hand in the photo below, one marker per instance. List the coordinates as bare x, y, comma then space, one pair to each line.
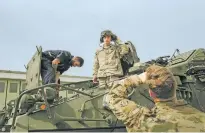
95, 79
56, 61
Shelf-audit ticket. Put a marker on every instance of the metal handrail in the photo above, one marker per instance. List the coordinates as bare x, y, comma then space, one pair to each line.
41, 87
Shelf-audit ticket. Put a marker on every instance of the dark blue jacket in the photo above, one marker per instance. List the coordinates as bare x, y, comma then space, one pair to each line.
65, 58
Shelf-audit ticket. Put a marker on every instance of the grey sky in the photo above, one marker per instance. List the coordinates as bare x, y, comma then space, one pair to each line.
156, 27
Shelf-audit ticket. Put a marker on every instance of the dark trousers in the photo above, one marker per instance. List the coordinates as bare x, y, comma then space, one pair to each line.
47, 71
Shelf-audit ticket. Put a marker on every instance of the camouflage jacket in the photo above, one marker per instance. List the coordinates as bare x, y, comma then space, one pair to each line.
164, 117
107, 60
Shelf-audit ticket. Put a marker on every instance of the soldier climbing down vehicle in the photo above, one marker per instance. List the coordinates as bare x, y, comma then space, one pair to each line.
64, 60
53, 64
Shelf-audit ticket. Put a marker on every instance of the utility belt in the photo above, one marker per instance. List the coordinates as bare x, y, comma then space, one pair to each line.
110, 78
113, 77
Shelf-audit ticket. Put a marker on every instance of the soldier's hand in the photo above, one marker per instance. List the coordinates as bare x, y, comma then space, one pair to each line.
56, 61
95, 79
143, 77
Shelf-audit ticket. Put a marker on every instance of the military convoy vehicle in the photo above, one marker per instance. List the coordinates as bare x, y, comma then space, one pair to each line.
84, 111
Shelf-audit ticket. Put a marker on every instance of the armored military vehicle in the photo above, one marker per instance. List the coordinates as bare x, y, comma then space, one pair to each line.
84, 111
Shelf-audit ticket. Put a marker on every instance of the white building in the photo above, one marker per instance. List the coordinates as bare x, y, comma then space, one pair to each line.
12, 82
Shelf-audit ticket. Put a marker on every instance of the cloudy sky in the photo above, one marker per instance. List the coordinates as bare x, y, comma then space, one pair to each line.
156, 27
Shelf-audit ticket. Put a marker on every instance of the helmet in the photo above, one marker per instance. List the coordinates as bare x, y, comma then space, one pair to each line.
107, 33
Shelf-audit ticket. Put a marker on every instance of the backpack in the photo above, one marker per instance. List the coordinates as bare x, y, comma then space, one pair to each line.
129, 59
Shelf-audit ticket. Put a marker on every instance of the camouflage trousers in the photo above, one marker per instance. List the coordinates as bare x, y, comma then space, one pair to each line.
106, 83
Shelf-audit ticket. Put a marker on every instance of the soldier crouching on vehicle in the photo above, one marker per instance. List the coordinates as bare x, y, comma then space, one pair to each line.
63, 59
107, 64
169, 114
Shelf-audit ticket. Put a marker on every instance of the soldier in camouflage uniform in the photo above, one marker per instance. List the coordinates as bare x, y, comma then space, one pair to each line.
107, 65
168, 115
